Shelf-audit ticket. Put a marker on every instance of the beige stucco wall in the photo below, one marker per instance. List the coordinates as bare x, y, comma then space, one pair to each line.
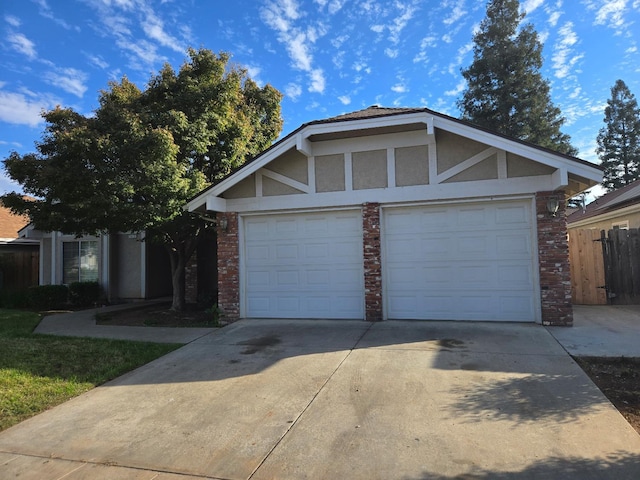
243, 189
329, 171
271, 187
369, 169
518, 166
484, 170
292, 164
632, 218
412, 166
453, 149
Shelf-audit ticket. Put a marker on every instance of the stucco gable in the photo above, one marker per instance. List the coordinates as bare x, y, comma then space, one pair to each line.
360, 156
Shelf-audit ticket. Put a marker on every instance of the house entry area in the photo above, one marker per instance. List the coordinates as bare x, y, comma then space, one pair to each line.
468, 261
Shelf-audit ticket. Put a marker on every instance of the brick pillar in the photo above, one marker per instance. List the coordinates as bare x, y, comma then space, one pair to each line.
191, 279
553, 255
228, 267
372, 255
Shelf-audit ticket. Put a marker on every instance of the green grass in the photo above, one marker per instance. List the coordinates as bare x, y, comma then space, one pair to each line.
38, 372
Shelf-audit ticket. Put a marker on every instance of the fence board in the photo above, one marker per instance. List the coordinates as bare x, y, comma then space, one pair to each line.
587, 268
622, 260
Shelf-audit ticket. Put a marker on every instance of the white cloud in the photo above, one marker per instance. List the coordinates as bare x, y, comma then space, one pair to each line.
317, 81
457, 12
17, 108
13, 21
254, 72
564, 60
334, 5
153, 27
399, 88
610, 13
293, 91
345, 99
97, 61
68, 79
425, 44
529, 6
23, 45
457, 90
391, 52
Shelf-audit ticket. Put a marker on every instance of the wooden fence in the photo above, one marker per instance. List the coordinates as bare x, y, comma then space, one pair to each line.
622, 266
18, 269
587, 268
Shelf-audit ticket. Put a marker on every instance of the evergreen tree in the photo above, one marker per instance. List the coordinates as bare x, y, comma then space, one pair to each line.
505, 90
619, 139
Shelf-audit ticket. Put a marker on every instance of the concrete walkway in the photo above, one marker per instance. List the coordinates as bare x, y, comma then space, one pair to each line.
269, 399
602, 331
83, 324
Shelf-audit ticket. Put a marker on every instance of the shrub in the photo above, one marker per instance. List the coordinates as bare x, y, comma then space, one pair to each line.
14, 299
84, 294
48, 297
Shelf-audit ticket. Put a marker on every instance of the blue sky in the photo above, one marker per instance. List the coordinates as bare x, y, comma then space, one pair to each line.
327, 56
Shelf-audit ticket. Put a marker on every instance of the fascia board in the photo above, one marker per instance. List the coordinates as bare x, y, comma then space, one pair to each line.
365, 123
530, 152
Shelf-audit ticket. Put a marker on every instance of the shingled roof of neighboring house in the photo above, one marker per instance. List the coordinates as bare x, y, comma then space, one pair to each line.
620, 198
10, 224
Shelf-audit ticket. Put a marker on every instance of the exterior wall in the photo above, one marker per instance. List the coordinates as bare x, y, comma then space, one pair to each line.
518, 166
229, 267
369, 169
632, 218
292, 164
272, 188
454, 149
372, 262
45, 261
553, 257
244, 189
127, 284
412, 166
330, 173
485, 170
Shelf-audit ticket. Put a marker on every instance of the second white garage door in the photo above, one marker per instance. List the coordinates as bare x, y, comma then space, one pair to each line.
460, 262
306, 265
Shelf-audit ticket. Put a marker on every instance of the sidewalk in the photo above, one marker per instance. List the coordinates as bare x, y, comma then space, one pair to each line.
83, 324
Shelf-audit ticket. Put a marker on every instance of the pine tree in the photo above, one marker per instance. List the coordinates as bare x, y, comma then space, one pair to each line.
505, 90
619, 139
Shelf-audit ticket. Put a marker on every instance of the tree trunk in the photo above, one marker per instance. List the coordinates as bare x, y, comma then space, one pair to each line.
177, 280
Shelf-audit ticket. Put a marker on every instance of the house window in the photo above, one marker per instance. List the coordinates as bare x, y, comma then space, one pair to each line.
620, 225
80, 261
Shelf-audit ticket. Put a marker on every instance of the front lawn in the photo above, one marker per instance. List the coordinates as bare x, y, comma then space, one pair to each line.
38, 372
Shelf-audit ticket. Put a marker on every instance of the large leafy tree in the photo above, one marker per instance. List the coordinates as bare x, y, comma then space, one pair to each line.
619, 139
505, 91
133, 164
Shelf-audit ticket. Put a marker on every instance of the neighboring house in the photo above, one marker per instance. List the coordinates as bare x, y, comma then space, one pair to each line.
617, 209
18, 256
126, 267
396, 213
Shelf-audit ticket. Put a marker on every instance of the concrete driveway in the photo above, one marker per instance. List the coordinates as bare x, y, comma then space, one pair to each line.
338, 400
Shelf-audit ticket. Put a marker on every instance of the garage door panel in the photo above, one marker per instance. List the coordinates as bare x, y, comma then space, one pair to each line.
474, 262
304, 265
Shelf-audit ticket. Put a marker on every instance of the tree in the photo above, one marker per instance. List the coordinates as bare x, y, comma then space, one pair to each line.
505, 90
619, 140
133, 165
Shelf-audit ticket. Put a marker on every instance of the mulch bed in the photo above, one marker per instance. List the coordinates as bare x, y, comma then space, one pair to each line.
619, 380
158, 315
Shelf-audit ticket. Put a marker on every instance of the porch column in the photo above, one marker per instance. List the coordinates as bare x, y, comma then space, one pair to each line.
228, 266
372, 265
553, 257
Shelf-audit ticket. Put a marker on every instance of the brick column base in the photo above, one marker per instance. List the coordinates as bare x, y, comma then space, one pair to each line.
191, 279
228, 267
553, 255
372, 255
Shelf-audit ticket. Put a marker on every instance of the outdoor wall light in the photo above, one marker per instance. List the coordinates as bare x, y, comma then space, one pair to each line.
223, 223
553, 204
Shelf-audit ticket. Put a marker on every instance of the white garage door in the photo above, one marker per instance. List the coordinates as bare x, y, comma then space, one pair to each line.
460, 262
304, 265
